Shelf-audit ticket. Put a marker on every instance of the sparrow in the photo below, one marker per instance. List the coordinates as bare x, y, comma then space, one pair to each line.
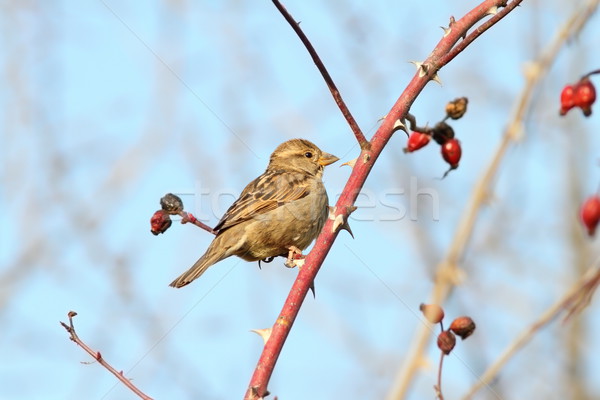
279, 213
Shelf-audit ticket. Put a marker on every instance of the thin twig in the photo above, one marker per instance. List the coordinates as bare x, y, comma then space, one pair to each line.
189, 218
345, 205
565, 303
98, 357
438, 387
360, 137
448, 270
497, 16
594, 72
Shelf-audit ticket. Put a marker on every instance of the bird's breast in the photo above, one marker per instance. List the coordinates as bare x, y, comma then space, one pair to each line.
296, 223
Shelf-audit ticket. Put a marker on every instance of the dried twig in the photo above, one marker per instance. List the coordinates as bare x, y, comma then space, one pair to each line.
360, 137
98, 357
187, 217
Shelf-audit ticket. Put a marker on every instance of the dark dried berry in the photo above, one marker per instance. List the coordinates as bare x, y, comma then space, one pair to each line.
457, 108
463, 327
171, 203
442, 132
446, 341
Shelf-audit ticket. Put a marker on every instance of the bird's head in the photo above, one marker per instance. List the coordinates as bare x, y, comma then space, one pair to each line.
302, 156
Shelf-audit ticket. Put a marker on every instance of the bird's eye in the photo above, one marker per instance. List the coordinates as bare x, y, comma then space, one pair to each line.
308, 154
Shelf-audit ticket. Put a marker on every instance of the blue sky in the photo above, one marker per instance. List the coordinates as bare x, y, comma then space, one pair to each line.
107, 106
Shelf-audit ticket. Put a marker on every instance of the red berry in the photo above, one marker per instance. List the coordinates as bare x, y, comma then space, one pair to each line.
416, 141
590, 214
160, 222
567, 99
451, 152
585, 96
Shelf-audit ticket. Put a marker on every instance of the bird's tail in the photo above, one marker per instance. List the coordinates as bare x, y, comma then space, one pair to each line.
212, 256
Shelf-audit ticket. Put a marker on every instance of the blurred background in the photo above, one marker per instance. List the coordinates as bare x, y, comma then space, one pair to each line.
106, 106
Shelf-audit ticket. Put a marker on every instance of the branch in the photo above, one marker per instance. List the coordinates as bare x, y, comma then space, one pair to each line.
447, 270
569, 302
438, 386
98, 357
187, 217
345, 204
171, 204
360, 137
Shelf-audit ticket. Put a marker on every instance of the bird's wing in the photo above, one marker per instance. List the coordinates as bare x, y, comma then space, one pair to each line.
267, 192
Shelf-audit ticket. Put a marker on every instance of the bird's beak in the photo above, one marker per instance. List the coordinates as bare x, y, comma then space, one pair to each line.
327, 159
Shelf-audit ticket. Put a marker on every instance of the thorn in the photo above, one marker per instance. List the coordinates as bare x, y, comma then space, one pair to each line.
346, 227
399, 125
417, 64
265, 334
349, 163
340, 221
312, 289
436, 78
421, 67
298, 262
492, 11
332, 213
446, 31
337, 223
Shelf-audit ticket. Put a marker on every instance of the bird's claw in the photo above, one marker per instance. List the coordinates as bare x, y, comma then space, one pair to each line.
295, 258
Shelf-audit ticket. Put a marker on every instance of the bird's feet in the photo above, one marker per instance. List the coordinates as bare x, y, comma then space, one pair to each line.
295, 258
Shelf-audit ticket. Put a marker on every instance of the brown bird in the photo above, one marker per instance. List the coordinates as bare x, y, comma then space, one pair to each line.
278, 214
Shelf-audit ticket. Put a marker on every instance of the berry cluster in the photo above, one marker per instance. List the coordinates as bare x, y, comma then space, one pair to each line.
446, 340
461, 326
171, 204
161, 220
441, 133
582, 95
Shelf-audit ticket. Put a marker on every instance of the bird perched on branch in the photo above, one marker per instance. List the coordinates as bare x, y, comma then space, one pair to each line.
278, 214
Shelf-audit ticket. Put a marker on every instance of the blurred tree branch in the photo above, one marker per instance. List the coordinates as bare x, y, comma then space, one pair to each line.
448, 273
573, 301
70, 328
